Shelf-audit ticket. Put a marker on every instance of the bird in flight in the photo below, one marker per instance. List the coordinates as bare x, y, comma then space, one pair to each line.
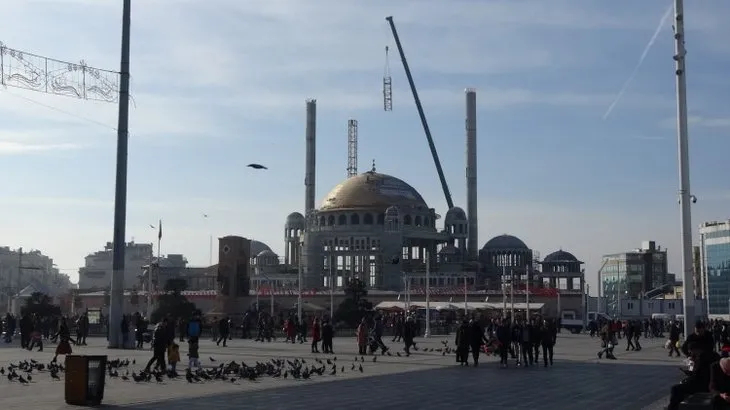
256, 166
205, 215
152, 226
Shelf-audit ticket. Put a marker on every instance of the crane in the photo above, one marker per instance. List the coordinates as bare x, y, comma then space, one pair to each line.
421, 114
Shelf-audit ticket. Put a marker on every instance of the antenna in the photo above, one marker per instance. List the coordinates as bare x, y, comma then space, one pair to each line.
387, 84
351, 148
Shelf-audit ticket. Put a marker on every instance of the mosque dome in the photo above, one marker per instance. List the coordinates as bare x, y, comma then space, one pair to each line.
372, 191
504, 242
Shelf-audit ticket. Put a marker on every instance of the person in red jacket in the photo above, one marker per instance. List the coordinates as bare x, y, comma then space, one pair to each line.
316, 333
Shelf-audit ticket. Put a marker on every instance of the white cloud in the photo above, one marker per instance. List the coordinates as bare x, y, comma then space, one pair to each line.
17, 148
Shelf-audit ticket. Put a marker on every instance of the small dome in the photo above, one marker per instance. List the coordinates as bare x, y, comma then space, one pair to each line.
454, 215
560, 256
295, 219
267, 257
257, 247
504, 242
392, 211
265, 253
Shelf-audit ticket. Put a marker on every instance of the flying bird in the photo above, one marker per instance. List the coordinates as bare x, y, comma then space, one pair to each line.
153, 227
256, 166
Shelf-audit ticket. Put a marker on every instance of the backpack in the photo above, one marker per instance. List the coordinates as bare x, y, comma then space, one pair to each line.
194, 329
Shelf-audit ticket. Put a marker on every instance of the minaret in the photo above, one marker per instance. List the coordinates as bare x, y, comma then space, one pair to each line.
472, 242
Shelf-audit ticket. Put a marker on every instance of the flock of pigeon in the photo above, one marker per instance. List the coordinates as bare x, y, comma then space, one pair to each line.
23, 372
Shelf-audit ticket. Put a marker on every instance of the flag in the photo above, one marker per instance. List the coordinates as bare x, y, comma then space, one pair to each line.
159, 234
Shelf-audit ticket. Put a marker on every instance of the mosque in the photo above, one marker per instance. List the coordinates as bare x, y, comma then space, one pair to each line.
379, 229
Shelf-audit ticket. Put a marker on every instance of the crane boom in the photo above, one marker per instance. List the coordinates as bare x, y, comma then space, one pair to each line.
421, 114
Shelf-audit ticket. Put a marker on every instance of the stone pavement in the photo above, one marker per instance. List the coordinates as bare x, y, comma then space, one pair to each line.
423, 381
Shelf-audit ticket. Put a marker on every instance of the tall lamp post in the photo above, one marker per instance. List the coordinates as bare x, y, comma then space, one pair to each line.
332, 290
299, 280
271, 293
685, 196
427, 332
149, 271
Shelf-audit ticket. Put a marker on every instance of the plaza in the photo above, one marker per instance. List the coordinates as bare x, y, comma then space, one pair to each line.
426, 380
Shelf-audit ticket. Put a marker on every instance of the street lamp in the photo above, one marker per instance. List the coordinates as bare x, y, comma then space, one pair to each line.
332, 290
158, 228
271, 293
427, 332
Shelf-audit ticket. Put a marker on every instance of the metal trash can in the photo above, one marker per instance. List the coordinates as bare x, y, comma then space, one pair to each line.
85, 377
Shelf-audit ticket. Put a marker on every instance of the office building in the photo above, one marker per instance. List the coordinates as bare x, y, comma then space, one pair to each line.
638, 274
715, 279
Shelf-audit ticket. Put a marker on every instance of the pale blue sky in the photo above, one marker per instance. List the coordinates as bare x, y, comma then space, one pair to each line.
222, 83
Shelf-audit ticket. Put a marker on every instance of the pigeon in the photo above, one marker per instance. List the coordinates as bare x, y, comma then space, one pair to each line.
256, 166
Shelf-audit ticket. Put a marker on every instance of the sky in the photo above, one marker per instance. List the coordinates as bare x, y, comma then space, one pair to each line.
220, 84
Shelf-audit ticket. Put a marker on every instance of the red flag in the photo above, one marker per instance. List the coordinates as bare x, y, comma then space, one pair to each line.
159, 234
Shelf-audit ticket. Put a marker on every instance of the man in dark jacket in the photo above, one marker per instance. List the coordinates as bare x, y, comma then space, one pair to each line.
548, 337
462, 342
504, 335
701, 337
674, 333
408, 333
698, 377
224, 327
160, 342
476, 334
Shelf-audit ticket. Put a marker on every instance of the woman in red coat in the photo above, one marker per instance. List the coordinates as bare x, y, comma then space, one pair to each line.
291, 330
316, 335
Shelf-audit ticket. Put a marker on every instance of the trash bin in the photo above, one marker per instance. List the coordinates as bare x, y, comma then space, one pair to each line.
85, 376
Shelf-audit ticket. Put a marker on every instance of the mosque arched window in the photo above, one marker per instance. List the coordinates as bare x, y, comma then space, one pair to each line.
331, 220
368, 219
407, 220
354, 219
417, 220
381, 219
342, 220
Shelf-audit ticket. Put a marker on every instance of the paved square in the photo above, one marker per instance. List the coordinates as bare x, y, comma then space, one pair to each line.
425, 380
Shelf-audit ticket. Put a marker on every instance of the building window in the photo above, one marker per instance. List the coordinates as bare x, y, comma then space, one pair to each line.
630, 305
342, 220
355, 219
670, 305
368, 219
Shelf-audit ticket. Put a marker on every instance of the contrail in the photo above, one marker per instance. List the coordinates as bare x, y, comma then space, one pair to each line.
628, 81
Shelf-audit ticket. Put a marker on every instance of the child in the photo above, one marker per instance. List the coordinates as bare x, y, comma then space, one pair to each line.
193, 354
173, 357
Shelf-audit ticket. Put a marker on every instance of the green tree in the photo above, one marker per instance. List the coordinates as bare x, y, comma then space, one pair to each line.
355, 306
40, 304
78, 301
134, 297
172, 302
